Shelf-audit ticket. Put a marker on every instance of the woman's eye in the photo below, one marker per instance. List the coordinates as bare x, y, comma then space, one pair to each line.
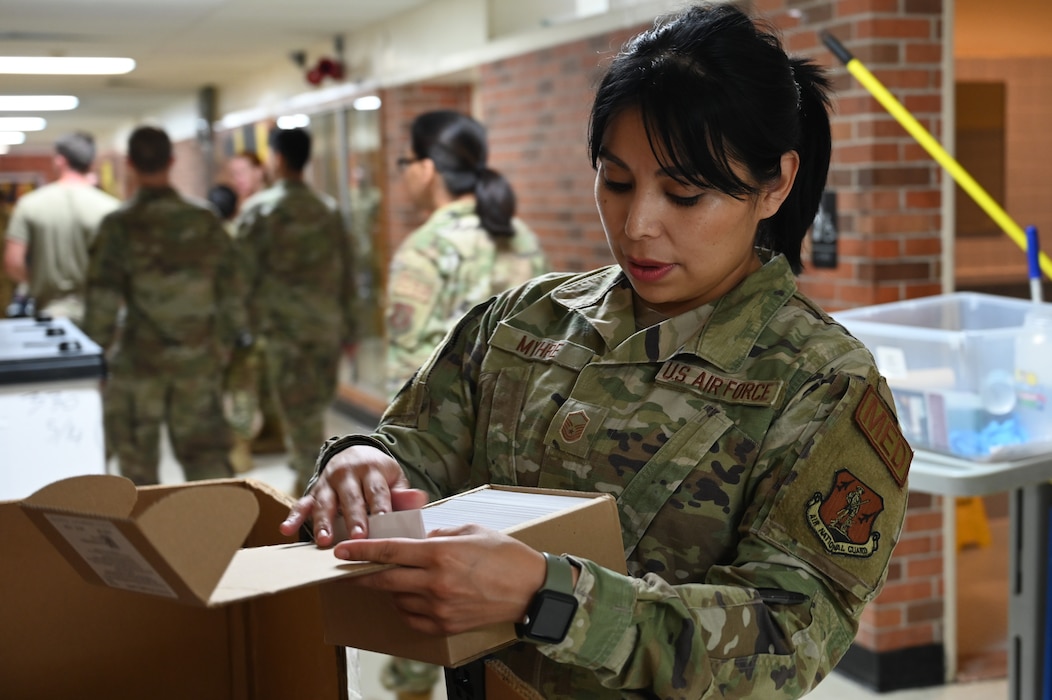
617, 186
680, 201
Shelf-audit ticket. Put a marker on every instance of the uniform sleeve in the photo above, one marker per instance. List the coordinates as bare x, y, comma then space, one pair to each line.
814, 549
106, 282
251, 251
413, 330
231, 294
349, 304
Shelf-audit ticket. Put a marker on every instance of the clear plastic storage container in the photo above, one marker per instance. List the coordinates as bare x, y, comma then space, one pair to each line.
951, 363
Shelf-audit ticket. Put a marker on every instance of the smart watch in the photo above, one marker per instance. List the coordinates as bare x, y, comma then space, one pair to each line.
551, 611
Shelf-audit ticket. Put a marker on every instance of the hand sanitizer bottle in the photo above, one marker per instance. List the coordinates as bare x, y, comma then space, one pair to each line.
1033, 375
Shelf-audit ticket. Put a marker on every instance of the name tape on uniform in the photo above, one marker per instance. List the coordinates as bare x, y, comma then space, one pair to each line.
719, 387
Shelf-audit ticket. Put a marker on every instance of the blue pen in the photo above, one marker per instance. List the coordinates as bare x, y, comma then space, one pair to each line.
1033, 250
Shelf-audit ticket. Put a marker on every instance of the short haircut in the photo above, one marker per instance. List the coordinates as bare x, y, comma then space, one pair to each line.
149, 150
293, 145
78, 148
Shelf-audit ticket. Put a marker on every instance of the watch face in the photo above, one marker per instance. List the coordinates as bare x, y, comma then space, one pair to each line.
550, 619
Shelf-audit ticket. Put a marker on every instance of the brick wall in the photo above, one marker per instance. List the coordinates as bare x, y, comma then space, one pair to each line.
536, 107
889, 201
39, 166
888, 188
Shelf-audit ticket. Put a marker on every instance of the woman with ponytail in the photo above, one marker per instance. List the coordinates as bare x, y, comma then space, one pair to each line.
470, 248
750, 442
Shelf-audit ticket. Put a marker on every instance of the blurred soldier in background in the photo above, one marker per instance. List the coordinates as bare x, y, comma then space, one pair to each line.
52, 227
174, 269
301, 283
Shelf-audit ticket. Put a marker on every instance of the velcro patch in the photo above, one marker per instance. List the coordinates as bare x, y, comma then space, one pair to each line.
720, 388
843, 519
537, 349
400, 319
881, 428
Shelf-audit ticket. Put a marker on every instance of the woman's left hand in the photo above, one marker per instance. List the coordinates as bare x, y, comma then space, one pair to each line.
455, 580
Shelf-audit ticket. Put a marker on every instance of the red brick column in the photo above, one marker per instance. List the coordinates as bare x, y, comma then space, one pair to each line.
889, 199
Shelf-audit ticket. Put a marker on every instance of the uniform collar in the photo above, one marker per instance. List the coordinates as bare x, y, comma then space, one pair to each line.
145, 194
722, 332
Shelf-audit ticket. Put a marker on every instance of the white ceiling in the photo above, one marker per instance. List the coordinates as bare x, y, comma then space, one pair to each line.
182, 45
179, 46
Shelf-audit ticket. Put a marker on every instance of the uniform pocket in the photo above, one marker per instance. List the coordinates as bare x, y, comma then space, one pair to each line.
502, 394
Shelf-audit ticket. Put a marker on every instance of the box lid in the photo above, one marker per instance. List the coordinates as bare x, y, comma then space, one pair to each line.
187, 544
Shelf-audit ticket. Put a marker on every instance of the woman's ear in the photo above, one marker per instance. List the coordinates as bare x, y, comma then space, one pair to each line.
777, 190
428, 171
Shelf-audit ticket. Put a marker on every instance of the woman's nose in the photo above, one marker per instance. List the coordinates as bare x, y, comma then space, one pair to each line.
642, 220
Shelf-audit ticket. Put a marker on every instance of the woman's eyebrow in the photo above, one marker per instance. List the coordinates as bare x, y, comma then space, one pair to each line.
605, 154
672, 172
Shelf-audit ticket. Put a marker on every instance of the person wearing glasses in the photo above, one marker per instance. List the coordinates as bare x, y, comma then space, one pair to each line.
750, 442
471, 246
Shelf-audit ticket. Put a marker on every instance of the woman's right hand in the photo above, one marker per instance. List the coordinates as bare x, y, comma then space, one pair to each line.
357, 482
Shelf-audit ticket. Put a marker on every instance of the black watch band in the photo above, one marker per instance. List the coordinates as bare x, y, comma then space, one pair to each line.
552, 609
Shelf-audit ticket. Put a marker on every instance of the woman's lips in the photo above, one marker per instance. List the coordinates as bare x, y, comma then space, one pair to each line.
648, 270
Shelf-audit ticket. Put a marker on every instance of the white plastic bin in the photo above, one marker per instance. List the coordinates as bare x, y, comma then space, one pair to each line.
950, 361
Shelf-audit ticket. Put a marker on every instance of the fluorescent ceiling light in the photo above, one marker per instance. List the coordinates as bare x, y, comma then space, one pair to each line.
37, 103
4, 150
65, 65
12, 138
22, 124
294, 121
367, 103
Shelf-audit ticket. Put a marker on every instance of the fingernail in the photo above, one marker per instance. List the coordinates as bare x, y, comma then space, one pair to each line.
322, 532
357, 530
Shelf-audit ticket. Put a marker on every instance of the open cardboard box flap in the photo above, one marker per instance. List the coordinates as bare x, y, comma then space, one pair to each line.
109, 643
177, 547
189, 544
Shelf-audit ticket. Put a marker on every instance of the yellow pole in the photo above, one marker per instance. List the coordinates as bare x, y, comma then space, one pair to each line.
933, 147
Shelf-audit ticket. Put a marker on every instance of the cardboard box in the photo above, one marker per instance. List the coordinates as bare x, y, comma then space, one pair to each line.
187, 544
64, 638
366, 619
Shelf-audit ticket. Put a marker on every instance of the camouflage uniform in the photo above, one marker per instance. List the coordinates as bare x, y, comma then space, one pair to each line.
174, 270
444, 268
728, 435
300, 277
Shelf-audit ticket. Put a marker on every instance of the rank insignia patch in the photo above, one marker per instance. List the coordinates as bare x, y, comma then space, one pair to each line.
843, 519
573, 426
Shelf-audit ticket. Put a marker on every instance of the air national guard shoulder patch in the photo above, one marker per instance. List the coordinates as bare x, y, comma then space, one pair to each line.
844, 518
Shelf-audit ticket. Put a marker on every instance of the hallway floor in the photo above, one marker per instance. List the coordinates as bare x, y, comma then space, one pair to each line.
274, 470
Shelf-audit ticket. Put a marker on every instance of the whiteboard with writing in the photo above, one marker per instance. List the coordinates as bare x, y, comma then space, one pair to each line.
49, 432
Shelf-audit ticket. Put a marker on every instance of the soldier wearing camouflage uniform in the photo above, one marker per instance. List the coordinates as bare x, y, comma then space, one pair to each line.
171, 267
737, 425
470, 248
301, 289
